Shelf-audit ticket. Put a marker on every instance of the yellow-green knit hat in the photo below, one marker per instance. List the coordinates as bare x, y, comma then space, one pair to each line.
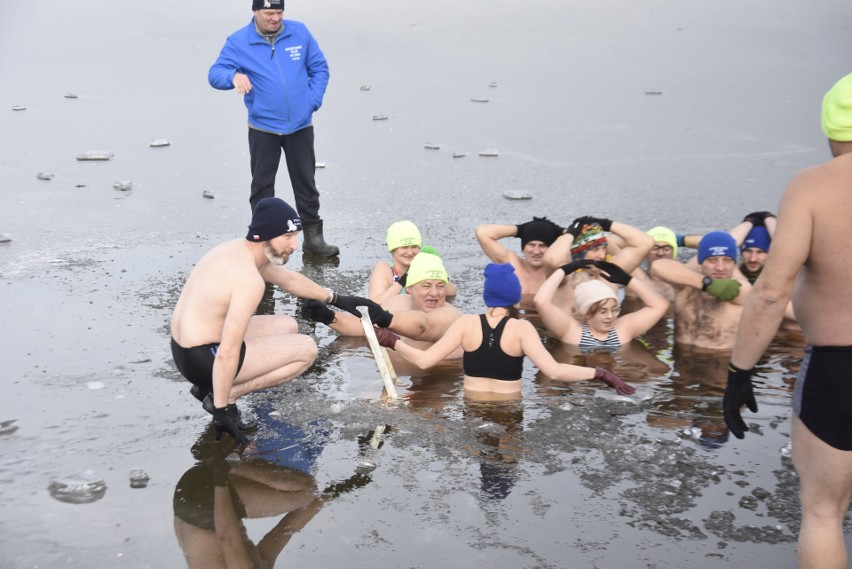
837, 111
403, 234
424, 267
665, 235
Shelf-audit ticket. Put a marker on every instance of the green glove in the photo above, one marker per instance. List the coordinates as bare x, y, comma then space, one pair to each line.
723, 289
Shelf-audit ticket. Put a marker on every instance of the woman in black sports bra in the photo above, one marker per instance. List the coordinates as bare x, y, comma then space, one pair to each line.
496, 342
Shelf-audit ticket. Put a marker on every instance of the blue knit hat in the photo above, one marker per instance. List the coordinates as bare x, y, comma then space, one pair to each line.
502, 287
717, 244
758, 238
272, 217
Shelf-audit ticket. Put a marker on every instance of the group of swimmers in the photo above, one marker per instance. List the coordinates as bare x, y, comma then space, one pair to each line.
576, 272
593, 284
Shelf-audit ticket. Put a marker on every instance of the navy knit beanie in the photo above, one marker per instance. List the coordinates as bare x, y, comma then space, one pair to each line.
272, 217
267, 5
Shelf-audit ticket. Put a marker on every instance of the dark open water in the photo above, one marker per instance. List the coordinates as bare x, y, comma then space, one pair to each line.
563, 479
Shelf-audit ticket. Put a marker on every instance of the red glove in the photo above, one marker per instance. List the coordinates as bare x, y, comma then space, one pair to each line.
386, 338
613, 381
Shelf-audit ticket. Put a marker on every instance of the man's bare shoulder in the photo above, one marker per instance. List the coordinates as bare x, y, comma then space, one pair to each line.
229, 262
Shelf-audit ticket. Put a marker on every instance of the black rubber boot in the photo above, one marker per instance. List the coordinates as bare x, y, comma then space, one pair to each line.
315, 243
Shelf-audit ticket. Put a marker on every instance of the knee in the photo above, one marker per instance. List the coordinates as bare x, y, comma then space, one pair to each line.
313, 350
308, 350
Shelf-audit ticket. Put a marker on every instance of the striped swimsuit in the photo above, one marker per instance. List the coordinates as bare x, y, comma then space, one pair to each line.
589, 343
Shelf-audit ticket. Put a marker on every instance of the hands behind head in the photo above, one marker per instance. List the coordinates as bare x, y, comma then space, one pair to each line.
613, 273
576, 266
758, 218
521, 228
556, 227
577, 225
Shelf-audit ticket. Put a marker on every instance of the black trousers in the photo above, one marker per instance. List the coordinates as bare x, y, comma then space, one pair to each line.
265, 149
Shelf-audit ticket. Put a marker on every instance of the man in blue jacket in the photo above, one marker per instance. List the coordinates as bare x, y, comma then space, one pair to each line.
281, 72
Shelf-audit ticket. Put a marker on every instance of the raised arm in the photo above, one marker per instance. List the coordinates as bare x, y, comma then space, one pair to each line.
769, 299
631, 325
637, 245
557, 321
740, 231
676, 273
558, 253
489, 235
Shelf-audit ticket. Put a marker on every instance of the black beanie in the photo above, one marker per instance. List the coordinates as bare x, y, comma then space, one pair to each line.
539, 231
267, 4
272, 217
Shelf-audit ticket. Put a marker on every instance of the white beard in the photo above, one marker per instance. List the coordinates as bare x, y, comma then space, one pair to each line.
274, 258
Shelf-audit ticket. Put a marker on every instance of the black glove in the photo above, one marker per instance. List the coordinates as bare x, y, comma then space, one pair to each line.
576, 265
606, 224
350, 303
758, 218
614, 381
317, 311
224, 421
401, 279
613, 273
738, 392
379, 316
386, 338
520, 229
577, 225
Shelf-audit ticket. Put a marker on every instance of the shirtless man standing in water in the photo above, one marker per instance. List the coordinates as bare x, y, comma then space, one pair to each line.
709, 292
536, 237
218, 343
810, 262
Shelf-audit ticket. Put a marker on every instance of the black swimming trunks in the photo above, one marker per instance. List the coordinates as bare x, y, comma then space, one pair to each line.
489, 359
196, 363
823, 396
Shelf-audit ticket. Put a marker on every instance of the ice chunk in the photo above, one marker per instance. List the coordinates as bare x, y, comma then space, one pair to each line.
138, 478
80, 488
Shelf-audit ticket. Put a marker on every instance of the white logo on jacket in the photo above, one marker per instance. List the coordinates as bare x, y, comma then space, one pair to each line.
295, 52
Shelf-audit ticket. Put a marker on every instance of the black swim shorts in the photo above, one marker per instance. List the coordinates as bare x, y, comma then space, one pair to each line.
823, 396
196, 363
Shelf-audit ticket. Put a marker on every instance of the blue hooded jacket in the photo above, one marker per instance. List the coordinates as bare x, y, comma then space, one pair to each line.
288, 77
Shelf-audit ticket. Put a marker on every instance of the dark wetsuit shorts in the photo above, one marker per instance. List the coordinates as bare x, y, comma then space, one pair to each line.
196, 363
823, 396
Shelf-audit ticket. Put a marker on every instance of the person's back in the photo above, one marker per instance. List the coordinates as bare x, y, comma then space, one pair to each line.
808, 261
821, 297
